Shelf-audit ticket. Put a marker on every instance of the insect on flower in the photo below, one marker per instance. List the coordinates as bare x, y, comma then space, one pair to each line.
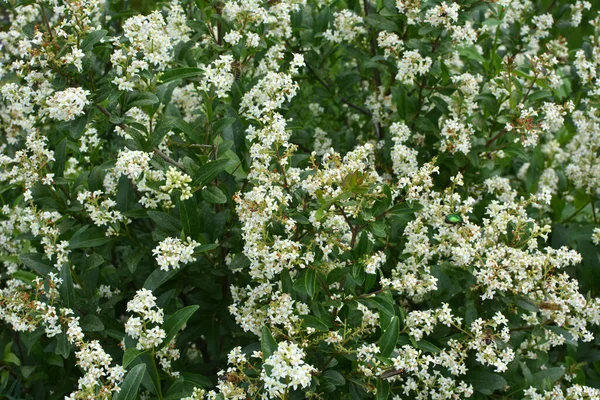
454, 219
489, 337
391, 372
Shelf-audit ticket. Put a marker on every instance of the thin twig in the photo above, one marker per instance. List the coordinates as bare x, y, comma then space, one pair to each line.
168, 159
492, 140
575, 213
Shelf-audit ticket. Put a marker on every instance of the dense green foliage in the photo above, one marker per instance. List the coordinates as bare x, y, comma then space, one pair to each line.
377, 196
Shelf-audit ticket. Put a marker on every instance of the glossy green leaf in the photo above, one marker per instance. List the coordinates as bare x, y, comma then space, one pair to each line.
180, 73
214, 195
175, 322
308, 321
131, 383
268, 345
485, 382
387, 342
130, 355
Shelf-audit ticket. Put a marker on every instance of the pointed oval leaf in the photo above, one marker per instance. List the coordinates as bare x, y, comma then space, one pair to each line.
131, 384
175, 322
268, 345
388, 339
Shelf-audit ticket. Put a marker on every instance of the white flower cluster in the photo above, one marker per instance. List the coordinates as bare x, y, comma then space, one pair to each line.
166, 356
155, 185
420, 378
249, 314
490, 342
463, 101
443, 15
102, 210
218, 76
381, 106
411, 9
347, 27
144, 305
286, 368
582, 159
390, 43
132, 163
322, 142
577, 11
172, 252
274, 18
375, 262
176, 180
188, 99
100, 380
148, 46
412, 65
456, 136
575, 392
67, 104
404, 158
268, 95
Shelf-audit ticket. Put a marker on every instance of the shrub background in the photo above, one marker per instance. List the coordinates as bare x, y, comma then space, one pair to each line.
170, 148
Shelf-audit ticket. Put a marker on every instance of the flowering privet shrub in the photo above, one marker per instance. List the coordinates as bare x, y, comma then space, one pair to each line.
294, 199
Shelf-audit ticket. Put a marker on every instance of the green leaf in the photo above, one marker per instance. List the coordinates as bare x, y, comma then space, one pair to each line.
205, 247
93, 260
165, 221
66, 289
63, 347
36, 262
387, 342
92, 323
209, 171
190, 220
549, 375
130, 355
180, 73
60, 155
197, 380
491, 22
308, 321
383, 389
333, 377
404, 208
306, 282
158, 277
90, 40
24, 276
175, 322
9, 356
471, 53
214, 195
131, 384
133, 259
223, 123
143, 99
540, 94
240, 261
380, 23
428, 346
485, 382
268, 345
181, 124
86, 238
